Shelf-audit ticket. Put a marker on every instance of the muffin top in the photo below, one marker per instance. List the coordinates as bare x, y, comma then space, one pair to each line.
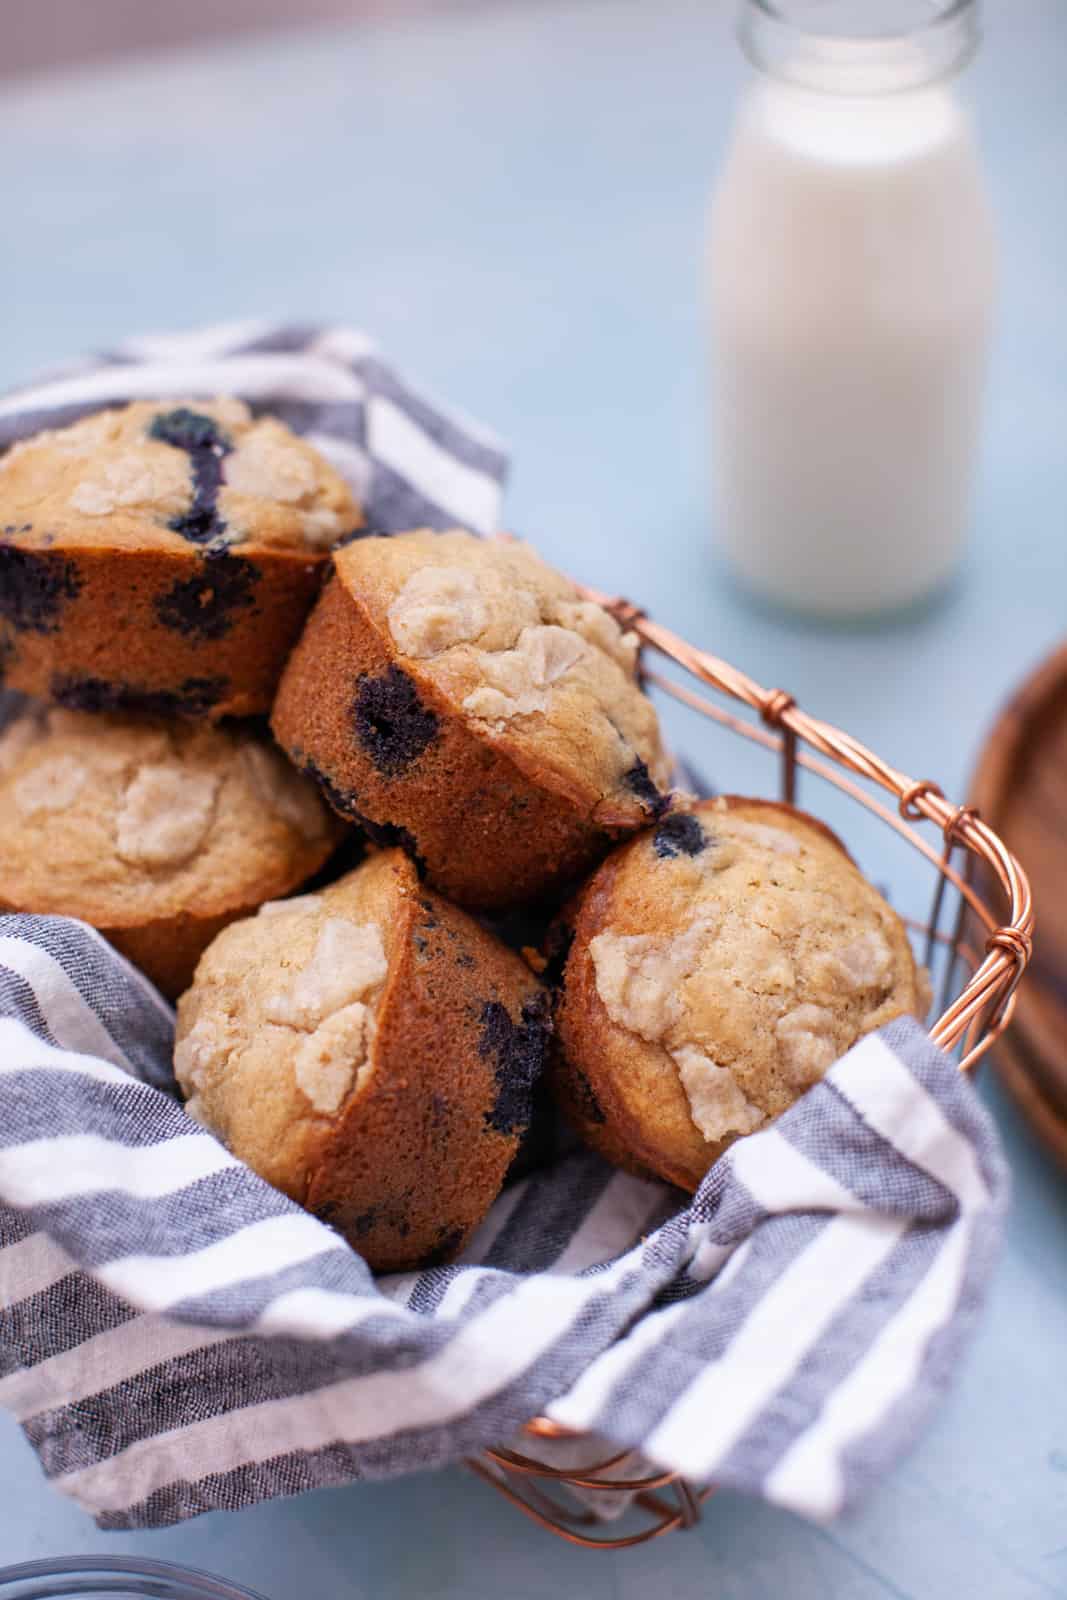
120, 820
281, 1018
173, 474
520, 656
736, 952
371, 1051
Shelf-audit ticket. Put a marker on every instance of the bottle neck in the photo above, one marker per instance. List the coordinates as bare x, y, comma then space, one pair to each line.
859, 47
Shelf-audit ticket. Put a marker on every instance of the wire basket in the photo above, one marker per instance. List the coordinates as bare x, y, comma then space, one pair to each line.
949, 941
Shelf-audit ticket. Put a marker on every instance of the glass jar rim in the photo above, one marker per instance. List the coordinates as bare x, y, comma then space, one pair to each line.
808, 52
70, 1575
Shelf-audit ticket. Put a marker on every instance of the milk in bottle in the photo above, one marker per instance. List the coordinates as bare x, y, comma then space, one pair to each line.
851, 263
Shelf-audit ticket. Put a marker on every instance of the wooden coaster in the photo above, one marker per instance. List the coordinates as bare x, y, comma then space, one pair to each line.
1020, 788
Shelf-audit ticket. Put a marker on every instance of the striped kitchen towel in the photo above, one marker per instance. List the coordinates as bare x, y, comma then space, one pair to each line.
411, 462
176, 1336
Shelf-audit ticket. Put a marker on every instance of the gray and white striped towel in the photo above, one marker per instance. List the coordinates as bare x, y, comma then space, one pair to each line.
175, 1336
412, 463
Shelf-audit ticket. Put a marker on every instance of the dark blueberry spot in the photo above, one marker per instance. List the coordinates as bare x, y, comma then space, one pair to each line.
392, 724
448, 1242
390, 836
586, 1103
466, 961
639, 782
205, 444
428, 906
193, 698
539, 1146
200, 524
420, 944
340, 799
518, 1055
438, 1110
189, 430
328, 1211
203, 607
365, 1222
386, 835
388, 1213
34, 588
556, 948
679, 834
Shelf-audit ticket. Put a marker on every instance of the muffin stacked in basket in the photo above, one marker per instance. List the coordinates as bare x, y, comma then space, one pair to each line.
156, 566
371, 1047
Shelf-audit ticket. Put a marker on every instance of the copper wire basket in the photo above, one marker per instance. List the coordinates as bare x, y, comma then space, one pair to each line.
976, 956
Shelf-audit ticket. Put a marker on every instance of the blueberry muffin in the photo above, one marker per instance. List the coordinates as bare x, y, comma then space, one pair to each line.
162, 557
459, 697
720, 964
371, 1052
158, 834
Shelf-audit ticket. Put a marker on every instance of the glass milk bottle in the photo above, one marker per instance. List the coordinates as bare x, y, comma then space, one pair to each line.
851, 259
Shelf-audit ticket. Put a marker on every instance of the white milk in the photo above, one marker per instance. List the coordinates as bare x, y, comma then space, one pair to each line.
852, 276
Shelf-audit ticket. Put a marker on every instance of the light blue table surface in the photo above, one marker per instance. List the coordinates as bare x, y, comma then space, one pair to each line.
511, 200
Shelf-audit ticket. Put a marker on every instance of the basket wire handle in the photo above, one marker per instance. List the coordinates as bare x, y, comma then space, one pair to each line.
974, 1020
779, 701
985, 1003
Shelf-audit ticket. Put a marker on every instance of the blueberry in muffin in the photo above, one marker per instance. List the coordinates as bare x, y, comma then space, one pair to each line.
372, 1052
462, 691
720, 963
162, 545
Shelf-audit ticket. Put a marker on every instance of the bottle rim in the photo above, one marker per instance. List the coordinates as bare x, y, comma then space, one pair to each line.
785, 45
67, 1576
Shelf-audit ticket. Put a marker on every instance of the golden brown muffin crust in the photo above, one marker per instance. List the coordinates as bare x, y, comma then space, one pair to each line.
427, 697
547, 676
156, 833
162, 557
719, 966
369, 1050
134, 477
